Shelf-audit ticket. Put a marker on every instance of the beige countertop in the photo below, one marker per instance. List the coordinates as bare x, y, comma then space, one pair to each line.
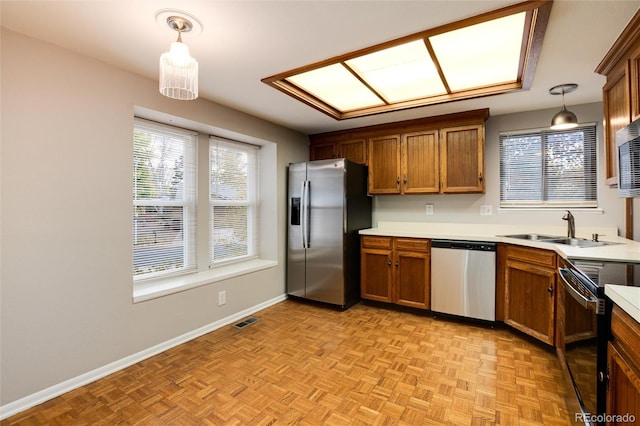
623, 251
628, 298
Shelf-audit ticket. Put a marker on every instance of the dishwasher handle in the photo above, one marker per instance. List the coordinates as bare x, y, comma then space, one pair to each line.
463, 245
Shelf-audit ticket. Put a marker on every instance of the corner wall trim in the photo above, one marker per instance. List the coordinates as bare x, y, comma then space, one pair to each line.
39, 397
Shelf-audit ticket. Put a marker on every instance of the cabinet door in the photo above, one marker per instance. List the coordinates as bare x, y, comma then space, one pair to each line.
420, 163
617, 114
384, 165
623, 393
462, 159
412, 278
634, 68
354, 150
322, 151
530, 300
376, 274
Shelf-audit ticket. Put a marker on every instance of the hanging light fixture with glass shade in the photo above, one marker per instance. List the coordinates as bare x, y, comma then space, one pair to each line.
178, 70
564, 119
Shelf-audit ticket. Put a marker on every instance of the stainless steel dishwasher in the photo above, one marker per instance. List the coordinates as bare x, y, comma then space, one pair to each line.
463, 278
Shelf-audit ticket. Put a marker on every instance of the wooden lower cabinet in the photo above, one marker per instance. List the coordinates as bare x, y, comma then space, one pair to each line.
396, 270
529, 292
623, 365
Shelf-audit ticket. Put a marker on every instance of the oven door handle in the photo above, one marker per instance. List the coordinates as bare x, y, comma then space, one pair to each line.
591, 304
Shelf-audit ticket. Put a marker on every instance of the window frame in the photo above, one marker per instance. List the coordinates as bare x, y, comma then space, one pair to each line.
589, 176
188, 203
250, 201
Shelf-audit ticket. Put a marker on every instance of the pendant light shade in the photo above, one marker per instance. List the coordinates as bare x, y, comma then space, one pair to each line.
564, 119
178, 70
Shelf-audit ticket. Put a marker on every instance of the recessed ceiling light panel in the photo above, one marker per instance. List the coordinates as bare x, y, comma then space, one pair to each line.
481, 55
400, 73
492, 53
336, 86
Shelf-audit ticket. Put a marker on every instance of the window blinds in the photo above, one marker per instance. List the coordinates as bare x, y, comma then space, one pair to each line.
164, 214
549, 168
233, 197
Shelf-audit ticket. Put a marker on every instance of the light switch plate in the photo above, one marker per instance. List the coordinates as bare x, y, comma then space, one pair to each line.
486, 210
429, 210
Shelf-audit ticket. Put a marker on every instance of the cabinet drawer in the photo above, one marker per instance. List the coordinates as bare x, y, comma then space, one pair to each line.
626, 334
413, 244
532, 255
377, 242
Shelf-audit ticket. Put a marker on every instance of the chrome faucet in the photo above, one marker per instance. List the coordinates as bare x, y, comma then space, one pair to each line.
571, 224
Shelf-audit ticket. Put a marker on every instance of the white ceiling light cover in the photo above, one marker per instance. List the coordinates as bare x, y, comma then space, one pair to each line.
336, 86
481, 55
400, 73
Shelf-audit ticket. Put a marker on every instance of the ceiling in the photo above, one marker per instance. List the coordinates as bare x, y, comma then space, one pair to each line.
244, 41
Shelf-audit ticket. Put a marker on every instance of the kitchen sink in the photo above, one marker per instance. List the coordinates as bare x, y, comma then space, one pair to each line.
533, 237
575, 242
579, 242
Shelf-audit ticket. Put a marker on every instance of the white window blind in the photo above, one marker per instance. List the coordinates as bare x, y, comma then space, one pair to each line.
164, 198
549, 168
233, 197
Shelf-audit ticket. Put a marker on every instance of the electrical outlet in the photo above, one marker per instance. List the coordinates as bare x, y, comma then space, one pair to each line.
222, 298
429, 210
486, 210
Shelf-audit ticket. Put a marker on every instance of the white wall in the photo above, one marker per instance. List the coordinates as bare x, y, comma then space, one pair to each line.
65, 236
465, 208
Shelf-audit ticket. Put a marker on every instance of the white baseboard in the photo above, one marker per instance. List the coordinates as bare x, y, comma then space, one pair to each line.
39, 397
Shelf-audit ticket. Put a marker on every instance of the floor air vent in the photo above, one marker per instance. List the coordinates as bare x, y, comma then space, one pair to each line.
247, 322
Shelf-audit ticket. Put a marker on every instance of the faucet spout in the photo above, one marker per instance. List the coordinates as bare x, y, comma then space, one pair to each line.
571, 224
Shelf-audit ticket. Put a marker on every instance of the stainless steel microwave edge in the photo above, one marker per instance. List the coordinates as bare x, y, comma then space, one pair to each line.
628, 160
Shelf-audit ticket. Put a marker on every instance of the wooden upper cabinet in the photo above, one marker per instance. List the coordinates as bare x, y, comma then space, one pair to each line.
440, 154
351, 149
462, 159
354, 150
617, 114
384, 165
420, 162
634, 74
431, 161
621, 92
322, 151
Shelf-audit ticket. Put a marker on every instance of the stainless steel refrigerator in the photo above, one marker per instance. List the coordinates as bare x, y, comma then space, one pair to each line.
328, 204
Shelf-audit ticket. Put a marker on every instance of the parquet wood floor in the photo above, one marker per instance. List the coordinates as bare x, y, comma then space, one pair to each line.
308, 365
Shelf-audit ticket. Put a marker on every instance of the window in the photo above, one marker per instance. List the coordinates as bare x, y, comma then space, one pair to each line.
547, 168
164, 200
233, 199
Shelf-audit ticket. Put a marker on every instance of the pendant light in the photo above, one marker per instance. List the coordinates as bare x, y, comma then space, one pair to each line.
178, 70
564, 119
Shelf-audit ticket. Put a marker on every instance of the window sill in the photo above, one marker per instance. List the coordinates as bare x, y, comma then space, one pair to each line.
158, 288
595, 210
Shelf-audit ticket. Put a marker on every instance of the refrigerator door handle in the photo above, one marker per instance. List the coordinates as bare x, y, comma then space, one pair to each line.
305, 214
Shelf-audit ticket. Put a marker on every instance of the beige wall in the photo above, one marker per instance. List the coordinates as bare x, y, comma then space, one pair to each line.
66, 245
465, 208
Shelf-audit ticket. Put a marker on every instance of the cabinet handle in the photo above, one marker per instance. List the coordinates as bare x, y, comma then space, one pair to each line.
389, 262
398, 181
396, 264
550, 289
480, 177
405, 181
